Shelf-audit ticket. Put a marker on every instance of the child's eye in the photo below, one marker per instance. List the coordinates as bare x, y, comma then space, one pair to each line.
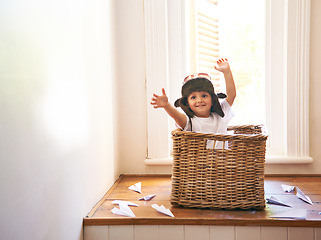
205, 95
193, 97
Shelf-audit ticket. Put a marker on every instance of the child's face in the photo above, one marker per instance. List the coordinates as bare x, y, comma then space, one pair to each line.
200, 103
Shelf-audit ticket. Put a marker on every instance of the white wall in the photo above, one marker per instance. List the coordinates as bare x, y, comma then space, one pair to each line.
56, 115
130, 95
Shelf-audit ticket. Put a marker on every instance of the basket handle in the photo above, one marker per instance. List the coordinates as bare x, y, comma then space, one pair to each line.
214, 144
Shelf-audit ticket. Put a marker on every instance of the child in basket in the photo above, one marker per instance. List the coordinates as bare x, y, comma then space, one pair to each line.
204, 113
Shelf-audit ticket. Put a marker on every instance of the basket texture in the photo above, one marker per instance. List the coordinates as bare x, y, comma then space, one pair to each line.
226, 178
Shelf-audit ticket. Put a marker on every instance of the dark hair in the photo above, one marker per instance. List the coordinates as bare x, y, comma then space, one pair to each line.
198, 85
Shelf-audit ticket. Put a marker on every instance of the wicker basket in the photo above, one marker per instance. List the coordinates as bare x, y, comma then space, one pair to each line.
226, 178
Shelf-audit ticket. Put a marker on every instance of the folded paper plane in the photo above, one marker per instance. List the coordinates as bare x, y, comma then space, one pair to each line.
277, 201
137, 187
287, 188
163, 210
147, 198
126, 202
123, 210
302, 196
292, 214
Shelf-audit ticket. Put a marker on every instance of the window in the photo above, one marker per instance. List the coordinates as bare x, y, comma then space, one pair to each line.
203, 38
214, 33
286, 73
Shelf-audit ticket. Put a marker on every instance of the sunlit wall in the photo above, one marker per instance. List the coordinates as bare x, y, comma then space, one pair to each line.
56, 115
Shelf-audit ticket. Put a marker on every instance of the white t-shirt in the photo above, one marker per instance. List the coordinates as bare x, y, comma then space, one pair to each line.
213, 124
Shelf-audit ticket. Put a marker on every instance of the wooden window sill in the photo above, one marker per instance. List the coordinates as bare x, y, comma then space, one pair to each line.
161, 186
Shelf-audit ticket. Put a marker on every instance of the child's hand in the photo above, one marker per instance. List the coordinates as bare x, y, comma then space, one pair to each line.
222, 65
159, 101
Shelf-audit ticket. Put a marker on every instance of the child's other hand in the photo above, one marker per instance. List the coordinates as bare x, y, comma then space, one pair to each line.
159, 101
222, 65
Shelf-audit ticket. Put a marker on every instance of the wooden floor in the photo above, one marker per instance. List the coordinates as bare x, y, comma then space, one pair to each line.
161, 186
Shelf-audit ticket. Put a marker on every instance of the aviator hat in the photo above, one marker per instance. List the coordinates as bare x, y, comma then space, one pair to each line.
197, 85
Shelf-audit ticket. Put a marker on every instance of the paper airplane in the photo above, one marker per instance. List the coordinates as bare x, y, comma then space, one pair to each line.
126, 202
137, 187
287, 188
123, 210
302, 196
293, 214
277, 201
147, 198
163, 210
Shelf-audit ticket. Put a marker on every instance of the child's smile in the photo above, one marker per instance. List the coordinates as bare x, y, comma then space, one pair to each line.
200, 103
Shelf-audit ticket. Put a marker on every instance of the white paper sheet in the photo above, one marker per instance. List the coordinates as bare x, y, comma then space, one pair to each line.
163, 210
287, 188
126, 202
292, 214
137, 187
147, 198
277, 201
302, 196
123, 210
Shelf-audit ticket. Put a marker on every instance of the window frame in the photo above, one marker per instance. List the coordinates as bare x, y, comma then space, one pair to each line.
287, 74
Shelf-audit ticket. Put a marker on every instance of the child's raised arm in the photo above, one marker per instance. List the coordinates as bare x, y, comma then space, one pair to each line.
161, 101
224, 67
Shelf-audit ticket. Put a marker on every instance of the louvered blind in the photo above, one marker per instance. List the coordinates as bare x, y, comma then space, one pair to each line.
207, 39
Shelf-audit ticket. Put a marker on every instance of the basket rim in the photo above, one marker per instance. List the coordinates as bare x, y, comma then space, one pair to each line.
259, 136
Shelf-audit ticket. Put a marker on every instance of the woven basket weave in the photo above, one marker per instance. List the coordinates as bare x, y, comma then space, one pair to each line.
230, 178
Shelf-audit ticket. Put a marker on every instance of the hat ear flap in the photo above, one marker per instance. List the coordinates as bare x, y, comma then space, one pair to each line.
183, 104
216, 106
177, 102
221, 95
